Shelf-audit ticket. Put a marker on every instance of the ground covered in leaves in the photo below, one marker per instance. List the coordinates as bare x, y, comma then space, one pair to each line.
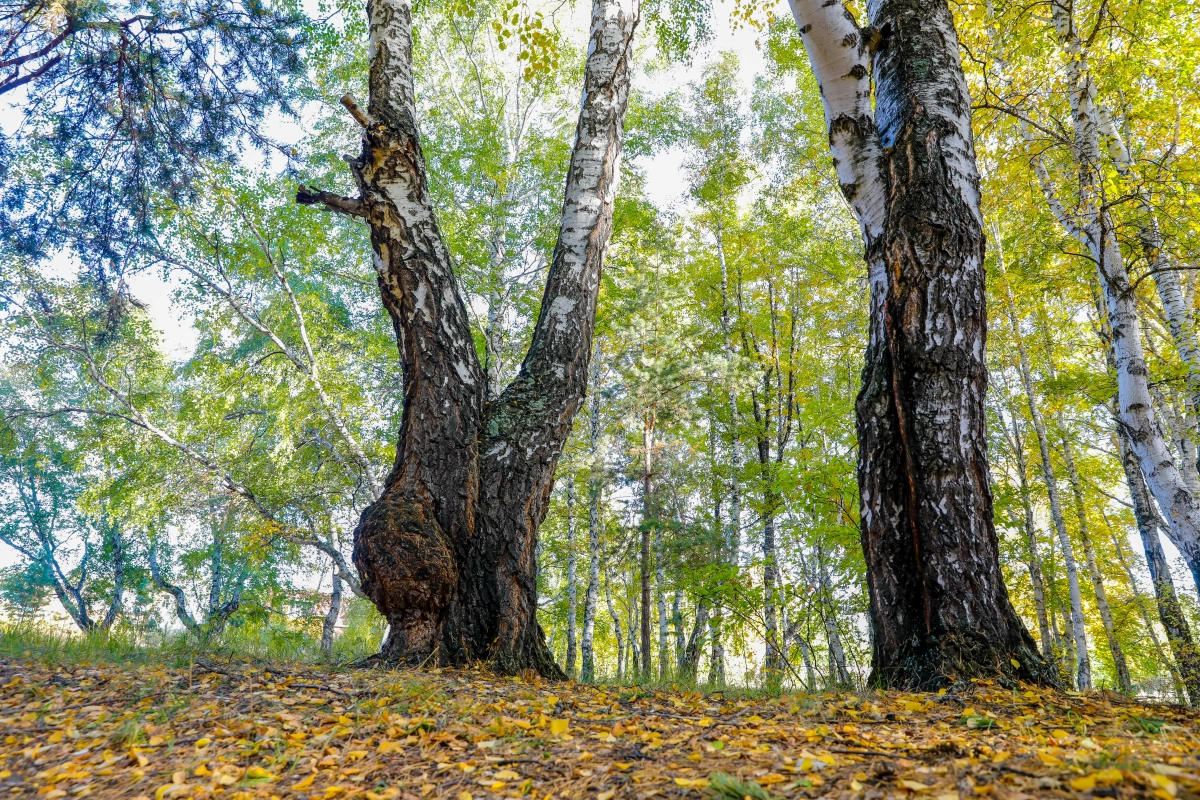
248, 731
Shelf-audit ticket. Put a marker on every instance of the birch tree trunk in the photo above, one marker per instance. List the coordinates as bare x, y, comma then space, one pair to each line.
647, 521
1135, 404
1143, 610
329, 624
617, 632
1083, 663
447, 553
595, 485
660, 599
1124, 683
906, 163
1030, 528
1170, 612
569, 661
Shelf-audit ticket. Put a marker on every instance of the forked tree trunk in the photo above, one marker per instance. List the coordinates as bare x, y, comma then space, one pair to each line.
906, 163
447, 553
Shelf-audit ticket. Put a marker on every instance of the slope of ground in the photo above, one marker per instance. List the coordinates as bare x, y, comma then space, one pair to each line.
248, 731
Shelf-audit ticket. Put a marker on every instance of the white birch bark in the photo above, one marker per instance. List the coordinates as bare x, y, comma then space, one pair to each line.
595, 485
1083, 664
569, 664
1135, 404
1124, 682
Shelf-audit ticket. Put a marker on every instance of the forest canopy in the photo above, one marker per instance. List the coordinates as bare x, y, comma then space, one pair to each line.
318, 323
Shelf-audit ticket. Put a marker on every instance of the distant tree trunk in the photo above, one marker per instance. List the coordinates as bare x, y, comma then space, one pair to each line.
677, 624
329, 626
838, 673
447, 552
588, 672
571, 588
660, 598
716, 656
616, 632
905, 158
1035, 561
119, 555
1144, 611
689, 661
1124, 682
1170, 612
1083, 664
1095, 231
647, 522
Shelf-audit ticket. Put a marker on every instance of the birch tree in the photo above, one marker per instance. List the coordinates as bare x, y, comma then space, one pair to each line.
447, 553
906, 164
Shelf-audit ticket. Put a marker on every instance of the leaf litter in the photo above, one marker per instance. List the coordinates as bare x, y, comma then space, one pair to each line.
244, 730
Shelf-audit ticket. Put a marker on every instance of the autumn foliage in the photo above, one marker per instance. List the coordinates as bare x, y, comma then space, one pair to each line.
243, 730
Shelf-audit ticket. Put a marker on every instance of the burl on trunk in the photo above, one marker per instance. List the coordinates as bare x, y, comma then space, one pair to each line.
447, 552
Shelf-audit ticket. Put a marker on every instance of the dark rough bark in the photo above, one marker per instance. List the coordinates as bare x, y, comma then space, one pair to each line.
447, 553
938, 602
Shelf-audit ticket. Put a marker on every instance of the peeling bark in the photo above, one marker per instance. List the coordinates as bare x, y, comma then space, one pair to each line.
447, 553
907, 166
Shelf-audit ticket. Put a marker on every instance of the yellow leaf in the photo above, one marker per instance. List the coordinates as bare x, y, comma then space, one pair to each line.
912, 705
1166, 783
948, 796
1059, 733
1084, 784
333, 791
771, 778
155, 741
609, 795
1015, 663
1110, 775
695, 757
56, 737
856, 786
692, 783
179, 776
912, 786
506, 775
586, 756
258, 773
464, 796
559, 726
622, 765
202, 743
307, 782
1049, 760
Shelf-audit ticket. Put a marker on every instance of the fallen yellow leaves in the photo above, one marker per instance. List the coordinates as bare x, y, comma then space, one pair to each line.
164, 734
